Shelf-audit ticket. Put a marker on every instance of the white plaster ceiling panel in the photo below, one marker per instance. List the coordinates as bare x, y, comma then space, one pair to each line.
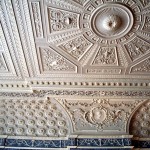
49, 38
92, 37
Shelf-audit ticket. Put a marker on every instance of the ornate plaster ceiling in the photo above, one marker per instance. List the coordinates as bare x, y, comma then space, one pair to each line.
100, 38
74, 66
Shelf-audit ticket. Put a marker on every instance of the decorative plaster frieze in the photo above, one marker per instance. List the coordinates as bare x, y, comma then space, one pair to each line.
81, 93
101, 115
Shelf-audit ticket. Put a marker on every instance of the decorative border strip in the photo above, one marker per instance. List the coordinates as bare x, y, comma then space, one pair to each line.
141, 144
71, 142
82, 93
90, 84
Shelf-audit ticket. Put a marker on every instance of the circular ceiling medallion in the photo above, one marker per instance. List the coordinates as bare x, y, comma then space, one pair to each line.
112, 21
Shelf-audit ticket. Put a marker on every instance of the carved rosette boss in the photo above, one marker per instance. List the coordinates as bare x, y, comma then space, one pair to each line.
109, 22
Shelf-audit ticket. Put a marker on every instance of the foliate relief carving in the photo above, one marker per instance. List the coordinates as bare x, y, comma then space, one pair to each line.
82, 93
33, 118
76, 47
2, 63
37, 19
106, 56
146, 26
140, 122
137, 47
100, 115
61, 20
142, 67
52, 61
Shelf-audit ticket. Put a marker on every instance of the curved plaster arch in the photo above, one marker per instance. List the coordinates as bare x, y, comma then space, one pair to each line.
139, 121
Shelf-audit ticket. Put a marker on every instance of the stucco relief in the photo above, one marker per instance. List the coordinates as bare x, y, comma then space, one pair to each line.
32, 117
101, 115
2, 63
53, 61
142, 67
106, 56
76, 47
137, 47
117, 31
140, 121
74, 43
112, 26
37, 19
61, 20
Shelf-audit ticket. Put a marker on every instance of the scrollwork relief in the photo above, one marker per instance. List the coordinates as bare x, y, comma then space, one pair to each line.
62, 20
76, 47
53, 61
101, 115
106, 56
143, 67
137, 48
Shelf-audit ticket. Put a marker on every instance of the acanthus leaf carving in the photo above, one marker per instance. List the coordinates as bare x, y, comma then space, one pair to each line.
99, 114
143, 67
76, 47
52, 61
60, 20
106, 56
137, 48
